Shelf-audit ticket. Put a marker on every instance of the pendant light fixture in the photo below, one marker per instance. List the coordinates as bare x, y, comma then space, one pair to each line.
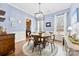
39, 16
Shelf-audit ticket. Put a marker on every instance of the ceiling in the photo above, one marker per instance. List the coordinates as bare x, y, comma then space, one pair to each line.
46, 8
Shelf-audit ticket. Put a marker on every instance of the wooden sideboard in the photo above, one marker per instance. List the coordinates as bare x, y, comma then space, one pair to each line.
7, 43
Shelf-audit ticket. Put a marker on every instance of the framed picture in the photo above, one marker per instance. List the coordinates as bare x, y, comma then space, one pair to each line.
13, 21
48, 24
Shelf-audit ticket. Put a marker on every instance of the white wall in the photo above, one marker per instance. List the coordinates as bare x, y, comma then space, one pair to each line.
19, 35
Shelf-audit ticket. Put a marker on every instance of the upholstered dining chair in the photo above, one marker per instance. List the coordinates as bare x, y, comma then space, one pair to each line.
51, 41
68, 50
37, 42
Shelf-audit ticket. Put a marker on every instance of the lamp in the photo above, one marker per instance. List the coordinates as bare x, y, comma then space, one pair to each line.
69, 30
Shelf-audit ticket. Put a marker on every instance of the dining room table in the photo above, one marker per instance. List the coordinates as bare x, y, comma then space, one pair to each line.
42, 38
41, 44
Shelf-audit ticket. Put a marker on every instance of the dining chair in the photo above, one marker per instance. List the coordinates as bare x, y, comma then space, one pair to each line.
68, 50
37, 42
51, 41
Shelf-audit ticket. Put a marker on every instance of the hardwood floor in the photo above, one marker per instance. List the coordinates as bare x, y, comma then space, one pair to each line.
18, 48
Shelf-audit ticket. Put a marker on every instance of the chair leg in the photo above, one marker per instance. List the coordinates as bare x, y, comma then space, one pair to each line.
28, 41
33, 49
51, 48
44, 44
40, 49
54, 45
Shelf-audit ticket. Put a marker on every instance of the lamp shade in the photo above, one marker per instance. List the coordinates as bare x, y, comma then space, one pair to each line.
69, 28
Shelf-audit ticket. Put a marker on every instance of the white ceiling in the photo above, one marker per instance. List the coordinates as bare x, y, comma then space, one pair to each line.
46, 8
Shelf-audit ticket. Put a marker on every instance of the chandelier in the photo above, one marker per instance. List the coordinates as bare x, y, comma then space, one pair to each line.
39, 16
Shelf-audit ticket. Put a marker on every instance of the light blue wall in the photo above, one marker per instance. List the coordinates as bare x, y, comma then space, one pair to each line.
74, 8
16, 14
70, 11
77, 14
50, 17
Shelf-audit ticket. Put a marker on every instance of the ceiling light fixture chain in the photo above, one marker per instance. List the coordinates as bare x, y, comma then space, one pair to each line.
39, 6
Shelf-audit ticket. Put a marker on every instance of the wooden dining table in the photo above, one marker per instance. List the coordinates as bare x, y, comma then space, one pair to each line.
41, 37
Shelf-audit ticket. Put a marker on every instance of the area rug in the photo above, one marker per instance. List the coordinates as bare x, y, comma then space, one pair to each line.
27, 50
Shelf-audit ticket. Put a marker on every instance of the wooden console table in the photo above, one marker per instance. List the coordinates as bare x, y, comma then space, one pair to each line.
7, 43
